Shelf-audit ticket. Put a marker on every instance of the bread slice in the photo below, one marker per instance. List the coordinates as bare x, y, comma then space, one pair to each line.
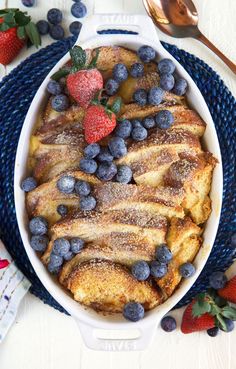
117, 196
184, 118
45, 199
160, 140
106, 286
98, 227
109, 56
122, 248
52, 121
184, 241
194, 175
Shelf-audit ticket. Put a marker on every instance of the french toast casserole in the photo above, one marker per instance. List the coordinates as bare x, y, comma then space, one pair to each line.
120, 182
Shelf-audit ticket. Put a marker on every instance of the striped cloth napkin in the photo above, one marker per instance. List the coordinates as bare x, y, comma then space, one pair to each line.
13, 287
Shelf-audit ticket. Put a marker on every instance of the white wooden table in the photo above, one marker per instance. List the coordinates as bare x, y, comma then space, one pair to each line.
43, 338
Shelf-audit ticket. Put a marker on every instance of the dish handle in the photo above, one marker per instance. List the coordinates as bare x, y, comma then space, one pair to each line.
139, 337
141, 25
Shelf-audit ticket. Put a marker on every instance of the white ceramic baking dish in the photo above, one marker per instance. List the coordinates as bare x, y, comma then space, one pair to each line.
132, 336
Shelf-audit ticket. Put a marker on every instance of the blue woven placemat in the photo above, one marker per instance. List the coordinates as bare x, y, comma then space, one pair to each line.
16, 93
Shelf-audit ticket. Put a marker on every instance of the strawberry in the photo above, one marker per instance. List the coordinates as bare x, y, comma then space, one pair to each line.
4, 263
194, 324
83, 80
83, 85
203, 313
15, 28
229, 291
100, 121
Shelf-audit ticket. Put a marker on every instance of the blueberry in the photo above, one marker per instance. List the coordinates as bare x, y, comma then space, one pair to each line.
92, 150
146, 53
217, 280
66, 184
139, 134
140, 97
187, 270
140, 270
167, 82
124, 174
180, 87
136, 123
158, 269
137, 70
133, 311
105, 155
28, 3
111, 86
123, 129
68, 256
229, 325
39, 243
54, 87
106, 171
75, 28
163, 254
62, 210
60, 102
82, 188
117, 147
57, 32
88, 165
212, 332
166, 66
43, 27
155, 96
38, 226
168, 323
87, 203
56, 260
78, 10
120, 72
28, 184
61, 246
53, 269
76, 245
233, 240
164, 119
149, 122
54, 16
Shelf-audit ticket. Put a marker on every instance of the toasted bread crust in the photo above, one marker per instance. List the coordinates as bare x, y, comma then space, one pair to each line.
106, 286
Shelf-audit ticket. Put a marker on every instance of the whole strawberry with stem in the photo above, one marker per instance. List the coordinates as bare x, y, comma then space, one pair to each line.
15, 29
204, 313
100, 120
83, 80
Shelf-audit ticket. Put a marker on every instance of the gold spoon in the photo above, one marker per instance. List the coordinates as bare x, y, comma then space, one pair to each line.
179, 18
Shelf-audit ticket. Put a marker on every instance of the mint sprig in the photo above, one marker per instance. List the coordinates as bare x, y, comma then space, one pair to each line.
14, 17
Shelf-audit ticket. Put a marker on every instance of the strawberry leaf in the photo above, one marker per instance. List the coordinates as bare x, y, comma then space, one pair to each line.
78, 57
21, 18
59, 74
21, 32
200, 307
9, 20
116, 106
229, 312
220, 322
32, 33
4, 27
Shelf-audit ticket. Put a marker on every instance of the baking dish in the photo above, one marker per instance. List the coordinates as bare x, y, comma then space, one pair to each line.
89, 321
